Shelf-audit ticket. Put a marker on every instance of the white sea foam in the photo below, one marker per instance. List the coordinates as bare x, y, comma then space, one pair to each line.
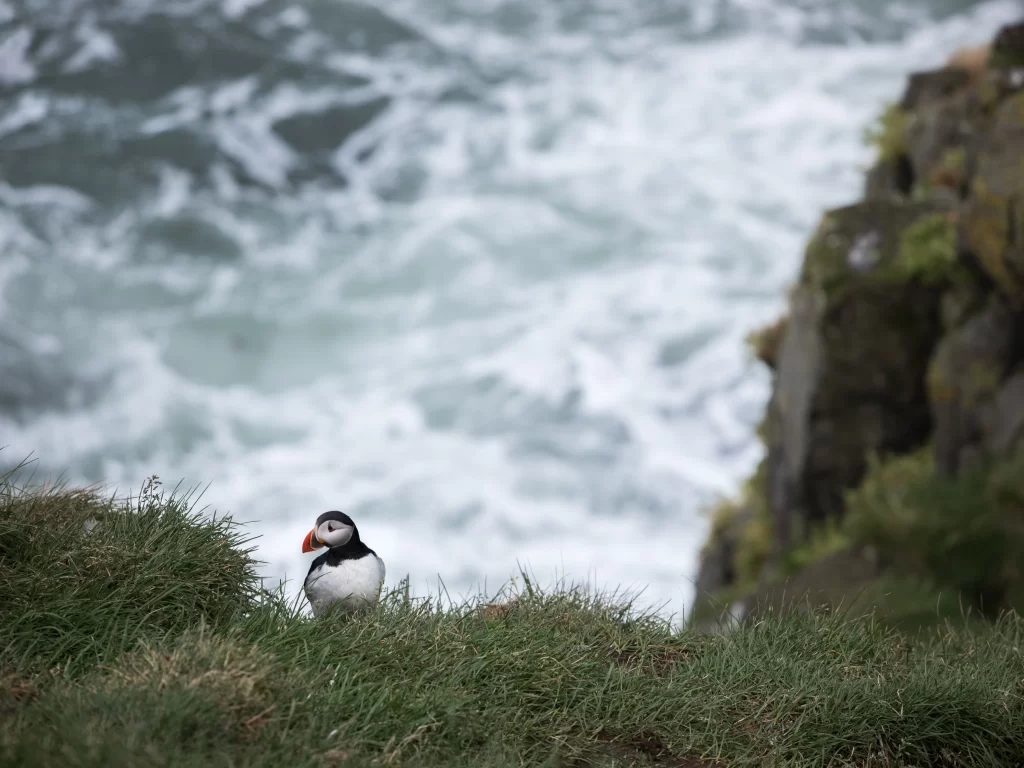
515, 335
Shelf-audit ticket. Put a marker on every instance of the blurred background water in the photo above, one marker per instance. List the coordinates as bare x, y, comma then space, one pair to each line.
477, 272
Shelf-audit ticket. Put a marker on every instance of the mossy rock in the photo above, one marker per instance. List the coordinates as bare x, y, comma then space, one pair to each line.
888, 134
1002, 419
1008, 47
716, 571
933, 85
964, 534
921, 140
1005, 492
881, 243
890, 179
739, 541
916, 547
892, 175
764, 342
882, 282
993, 219
927, 250
942, 124
963, 299
951, 170
864, 321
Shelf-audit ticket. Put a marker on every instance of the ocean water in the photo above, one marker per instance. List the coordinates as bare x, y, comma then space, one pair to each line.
477, 272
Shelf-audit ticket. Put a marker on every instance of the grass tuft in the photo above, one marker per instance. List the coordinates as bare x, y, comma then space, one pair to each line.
83, 578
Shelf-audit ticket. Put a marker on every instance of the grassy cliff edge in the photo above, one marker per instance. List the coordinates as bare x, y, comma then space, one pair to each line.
138, 633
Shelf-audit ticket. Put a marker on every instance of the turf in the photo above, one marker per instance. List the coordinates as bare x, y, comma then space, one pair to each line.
138, 633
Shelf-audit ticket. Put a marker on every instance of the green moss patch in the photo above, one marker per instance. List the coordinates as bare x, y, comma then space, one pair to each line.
927, 249
888, 134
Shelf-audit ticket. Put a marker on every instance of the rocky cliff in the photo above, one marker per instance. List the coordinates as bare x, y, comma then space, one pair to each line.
894, 459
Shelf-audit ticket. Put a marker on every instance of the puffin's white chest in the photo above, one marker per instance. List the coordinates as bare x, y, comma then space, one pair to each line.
352, 584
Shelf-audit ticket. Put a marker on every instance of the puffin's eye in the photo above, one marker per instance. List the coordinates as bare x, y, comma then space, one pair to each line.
330, 526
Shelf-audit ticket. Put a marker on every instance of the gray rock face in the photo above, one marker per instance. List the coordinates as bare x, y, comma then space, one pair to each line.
933, 85
966, 389
993, 218
938, 130
887, 180
799, 368
940, 114
1003, 420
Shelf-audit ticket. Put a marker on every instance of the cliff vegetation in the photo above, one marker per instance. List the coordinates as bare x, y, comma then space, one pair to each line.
893, 476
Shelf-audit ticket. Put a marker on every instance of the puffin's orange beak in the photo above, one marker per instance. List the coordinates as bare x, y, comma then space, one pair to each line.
311, 542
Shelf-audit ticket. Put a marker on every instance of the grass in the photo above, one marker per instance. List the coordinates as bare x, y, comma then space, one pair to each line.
964, 534
138, 633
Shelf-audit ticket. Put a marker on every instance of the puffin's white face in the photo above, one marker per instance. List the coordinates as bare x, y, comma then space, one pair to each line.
334, 533
332, 529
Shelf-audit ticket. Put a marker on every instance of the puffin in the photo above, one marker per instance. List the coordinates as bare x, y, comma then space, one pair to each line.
349, 575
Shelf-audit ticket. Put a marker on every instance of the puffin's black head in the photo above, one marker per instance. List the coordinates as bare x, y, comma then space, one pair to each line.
332, 529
